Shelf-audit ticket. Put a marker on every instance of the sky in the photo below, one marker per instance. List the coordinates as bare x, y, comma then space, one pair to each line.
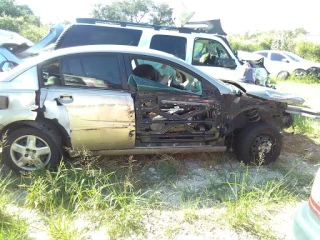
237, 16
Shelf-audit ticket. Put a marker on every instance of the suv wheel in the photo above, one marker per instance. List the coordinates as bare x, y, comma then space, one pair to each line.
28, 149
259, 144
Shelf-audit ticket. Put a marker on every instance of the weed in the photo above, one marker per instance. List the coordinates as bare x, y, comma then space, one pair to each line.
11, 227
306, 125
172, 231
309, 79
248, 203
124, 222
61, 227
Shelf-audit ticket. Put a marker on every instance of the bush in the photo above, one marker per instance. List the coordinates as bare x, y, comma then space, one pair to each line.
22, 26
308, 50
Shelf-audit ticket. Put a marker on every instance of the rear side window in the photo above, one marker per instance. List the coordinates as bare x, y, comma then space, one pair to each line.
277, 57
265, 54
92, 70
170, 44
79, 35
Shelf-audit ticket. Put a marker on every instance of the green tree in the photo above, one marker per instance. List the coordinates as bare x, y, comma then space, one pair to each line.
161, 15
20, 19
134, 11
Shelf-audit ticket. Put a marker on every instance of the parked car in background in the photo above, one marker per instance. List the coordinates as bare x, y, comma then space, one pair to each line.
10, 43
282, 64
204, 47
307, 218
116, 99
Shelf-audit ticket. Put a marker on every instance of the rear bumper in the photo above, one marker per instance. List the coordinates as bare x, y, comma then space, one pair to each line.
306, 224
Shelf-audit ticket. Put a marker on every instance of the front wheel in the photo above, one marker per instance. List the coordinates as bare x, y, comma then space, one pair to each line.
28, 149
300, 72
259, 144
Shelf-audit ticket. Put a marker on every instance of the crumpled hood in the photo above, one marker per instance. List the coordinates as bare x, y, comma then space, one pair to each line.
270, 94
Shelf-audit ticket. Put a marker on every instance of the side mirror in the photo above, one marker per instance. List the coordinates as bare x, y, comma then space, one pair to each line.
6, 66
285, 60
228, 63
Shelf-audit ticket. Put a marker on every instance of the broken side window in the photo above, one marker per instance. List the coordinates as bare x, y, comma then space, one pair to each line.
157, 76
51, 73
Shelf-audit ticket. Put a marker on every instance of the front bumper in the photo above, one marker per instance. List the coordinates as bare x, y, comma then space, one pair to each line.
307, 112
306, 224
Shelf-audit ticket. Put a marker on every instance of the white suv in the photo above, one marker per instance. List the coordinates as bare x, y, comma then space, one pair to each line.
203, 48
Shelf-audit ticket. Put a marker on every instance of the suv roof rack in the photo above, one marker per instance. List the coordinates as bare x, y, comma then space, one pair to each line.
213, 26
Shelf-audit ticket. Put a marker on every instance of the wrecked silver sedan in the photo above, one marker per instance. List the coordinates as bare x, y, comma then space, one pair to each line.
127, 100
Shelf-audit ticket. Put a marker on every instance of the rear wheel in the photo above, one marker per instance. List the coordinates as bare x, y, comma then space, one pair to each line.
259, 144
29, 149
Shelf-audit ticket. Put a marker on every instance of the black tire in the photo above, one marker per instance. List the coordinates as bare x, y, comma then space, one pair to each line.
254, 137
33, 145
299, 72
283, 75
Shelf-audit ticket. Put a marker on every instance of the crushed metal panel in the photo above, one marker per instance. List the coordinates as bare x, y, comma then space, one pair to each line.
54, 111
60, 113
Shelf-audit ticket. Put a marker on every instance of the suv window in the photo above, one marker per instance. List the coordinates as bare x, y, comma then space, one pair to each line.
2, 58
208, 51
276, 57
170, 44
92, 70
79, 35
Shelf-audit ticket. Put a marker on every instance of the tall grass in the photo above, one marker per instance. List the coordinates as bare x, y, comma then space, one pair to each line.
248, 205
11, 227
306, 125
88, 189
309, 79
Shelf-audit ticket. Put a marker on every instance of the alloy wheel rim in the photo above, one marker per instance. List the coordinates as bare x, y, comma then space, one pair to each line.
30, 152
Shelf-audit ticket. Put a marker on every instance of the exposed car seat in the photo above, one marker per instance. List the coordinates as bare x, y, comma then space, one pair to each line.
53, 81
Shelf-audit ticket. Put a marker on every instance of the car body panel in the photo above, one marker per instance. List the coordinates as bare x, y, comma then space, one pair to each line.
93, 116
21, 94
21, 106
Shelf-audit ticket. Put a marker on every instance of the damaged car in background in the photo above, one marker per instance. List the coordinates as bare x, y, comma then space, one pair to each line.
15, 49
115, 100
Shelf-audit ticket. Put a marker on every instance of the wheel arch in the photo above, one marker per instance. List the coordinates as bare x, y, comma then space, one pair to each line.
41, 124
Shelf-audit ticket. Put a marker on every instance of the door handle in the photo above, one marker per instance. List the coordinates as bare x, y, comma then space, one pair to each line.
65, 99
